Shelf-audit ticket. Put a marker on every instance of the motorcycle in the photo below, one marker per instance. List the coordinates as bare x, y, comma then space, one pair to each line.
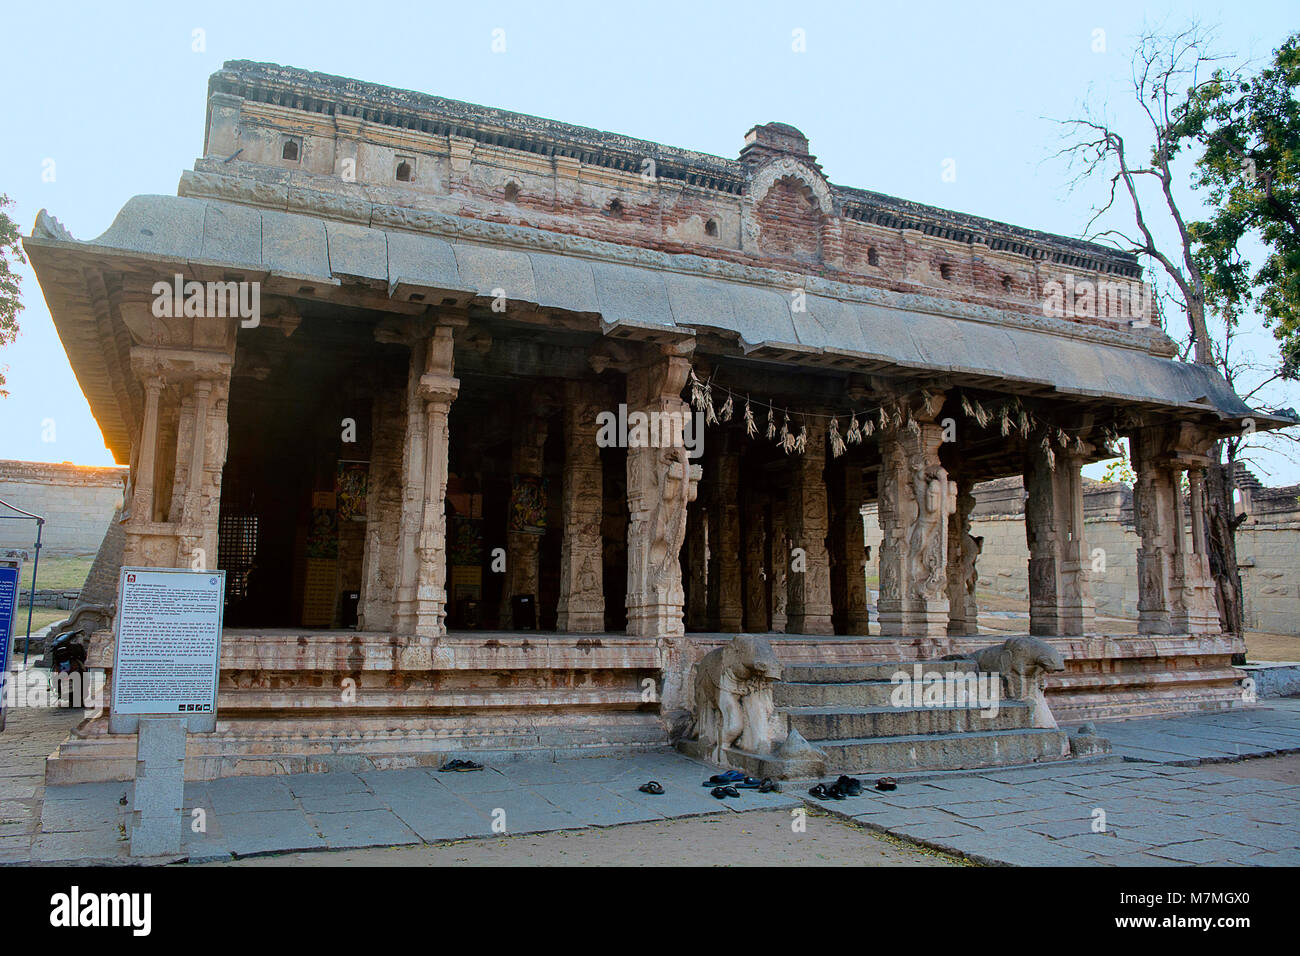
67, 657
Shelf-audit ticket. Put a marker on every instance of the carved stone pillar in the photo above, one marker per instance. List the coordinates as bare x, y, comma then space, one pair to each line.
726, 605
779, 565
661, 483
183, 364
1199, 612
1155, 506
849, 582
697, 593
1060, 593
1175, 587
756, 612
582, 595
963, 553
422, 588
915, 500
810, 569
523, 548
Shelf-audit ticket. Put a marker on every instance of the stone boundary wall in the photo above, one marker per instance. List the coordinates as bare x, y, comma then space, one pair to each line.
77, 502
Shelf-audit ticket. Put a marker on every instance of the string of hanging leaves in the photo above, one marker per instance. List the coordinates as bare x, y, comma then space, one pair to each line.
1007, 416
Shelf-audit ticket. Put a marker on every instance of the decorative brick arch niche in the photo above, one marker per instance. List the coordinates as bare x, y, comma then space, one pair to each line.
788, 212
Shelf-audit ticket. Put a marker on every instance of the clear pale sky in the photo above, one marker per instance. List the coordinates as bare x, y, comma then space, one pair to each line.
114, 95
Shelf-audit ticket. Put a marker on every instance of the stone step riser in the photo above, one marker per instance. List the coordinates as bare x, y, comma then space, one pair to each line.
900, 723
856, 694
942, 752
850, 673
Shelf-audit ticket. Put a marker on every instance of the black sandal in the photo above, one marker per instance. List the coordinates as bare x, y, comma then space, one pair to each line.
652, 787
851, 786
820, 792
769, 786
459, 766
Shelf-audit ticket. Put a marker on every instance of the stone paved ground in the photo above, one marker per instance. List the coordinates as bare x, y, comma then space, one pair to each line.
753, 838
28, 738
1156, 810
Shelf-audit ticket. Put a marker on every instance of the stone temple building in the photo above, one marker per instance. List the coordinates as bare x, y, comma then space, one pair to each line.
385, 413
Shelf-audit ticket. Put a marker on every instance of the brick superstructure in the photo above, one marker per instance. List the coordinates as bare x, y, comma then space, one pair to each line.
291, 130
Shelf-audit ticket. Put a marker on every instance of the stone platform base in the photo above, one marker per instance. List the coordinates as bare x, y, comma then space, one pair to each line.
258, 748
294, 701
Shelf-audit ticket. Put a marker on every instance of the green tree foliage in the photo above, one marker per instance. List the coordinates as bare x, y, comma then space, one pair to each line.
10, 304
1249, 128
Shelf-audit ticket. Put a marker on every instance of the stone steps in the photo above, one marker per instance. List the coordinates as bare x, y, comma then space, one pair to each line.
847, 710
830, 724
958, 751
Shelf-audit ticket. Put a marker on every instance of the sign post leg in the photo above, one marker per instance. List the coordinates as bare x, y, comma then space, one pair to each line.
159, 787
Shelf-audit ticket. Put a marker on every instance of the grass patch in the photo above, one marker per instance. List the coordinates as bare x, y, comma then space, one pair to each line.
58, 572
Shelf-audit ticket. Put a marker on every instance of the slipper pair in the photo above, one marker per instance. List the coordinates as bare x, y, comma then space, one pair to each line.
459, 766
652, 786
839, 790
886, 783
766, 785
723, 792
823, 792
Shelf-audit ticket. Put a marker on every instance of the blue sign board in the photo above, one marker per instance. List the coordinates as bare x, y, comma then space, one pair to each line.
8, 608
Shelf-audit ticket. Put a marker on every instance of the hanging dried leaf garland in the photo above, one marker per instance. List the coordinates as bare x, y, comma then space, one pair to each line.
1062, 438
868, 426
884, 418
932, 401
728, 407
771, 422
914, 428
1024, 424
710, 414
784, 439
697, 392
854, 434
751, 429
1048, 453
801, 442
837, 442
1005, 421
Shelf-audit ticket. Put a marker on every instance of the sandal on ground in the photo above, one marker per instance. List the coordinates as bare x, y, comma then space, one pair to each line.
820, 792
769, 786
724, 779
459, 766
652, 787
835, 792
886, 783
851, 786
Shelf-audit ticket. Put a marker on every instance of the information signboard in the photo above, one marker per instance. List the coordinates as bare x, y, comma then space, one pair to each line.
9, 574
167, 659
